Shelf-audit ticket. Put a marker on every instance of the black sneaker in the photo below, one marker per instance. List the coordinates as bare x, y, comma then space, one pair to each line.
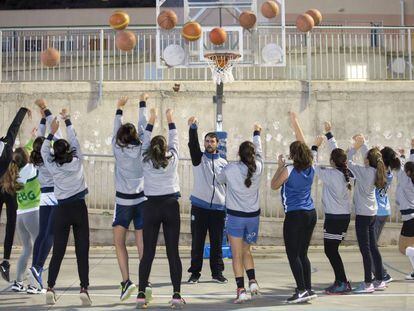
127, 288
5, 270
220, 279
194, 278
299, 296
312, 294
387, 278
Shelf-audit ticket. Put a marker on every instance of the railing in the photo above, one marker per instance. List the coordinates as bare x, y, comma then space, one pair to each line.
89, 54
99, 170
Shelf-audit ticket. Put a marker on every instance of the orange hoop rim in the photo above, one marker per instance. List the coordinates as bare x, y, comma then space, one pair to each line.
226, 55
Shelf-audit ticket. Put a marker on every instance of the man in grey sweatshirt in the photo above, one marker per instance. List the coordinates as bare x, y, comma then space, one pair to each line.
207, 204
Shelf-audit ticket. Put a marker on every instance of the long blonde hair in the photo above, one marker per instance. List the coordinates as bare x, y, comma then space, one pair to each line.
9, 182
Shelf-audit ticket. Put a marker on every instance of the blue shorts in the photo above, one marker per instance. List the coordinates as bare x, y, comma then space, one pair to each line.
243, 227
123, 215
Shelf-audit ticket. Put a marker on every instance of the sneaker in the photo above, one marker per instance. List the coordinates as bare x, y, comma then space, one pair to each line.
33, 290
84, 297
148, 292
50, 296
379, 285
299, 296
254, 288
241, 295
312, 294
219, 279
194, 278
18, 287
387, 278
127, 288
177, 302
410, 277
36, 276
141, 301
338, 288
5, 270
364, 288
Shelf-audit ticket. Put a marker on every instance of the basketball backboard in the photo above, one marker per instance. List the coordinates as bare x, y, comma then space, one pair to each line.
263, 45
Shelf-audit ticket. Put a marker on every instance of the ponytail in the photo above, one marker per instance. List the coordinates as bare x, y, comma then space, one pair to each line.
375, 160
339, 158
409, 170
156, 152
247, 156
9, 180
35, 155
390, 158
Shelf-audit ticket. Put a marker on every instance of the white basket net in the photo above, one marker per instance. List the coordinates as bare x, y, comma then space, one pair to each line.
221, 65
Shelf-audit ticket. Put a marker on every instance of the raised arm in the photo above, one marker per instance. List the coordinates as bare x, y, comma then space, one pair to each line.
257, 140
72, 139
45, 149
146, 140
118, 116
320, 170
142, 114
281, 174
172, 132
329, 136
356, 169
193, 143
15, 126
294, 121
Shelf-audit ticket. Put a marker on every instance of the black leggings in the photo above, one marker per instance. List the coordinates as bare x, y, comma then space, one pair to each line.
364, 227
157, 211
297, 233
334, 231
73, 214
11, 207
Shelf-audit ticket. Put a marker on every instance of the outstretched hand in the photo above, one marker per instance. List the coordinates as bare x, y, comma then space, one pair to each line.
192, 120
328, 126
281, 161
64, 114
54, 126
169, 113
257, 127
144, 97
122, 101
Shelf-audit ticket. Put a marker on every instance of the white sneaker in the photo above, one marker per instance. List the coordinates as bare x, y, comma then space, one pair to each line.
254, 288
241, 296
33, 290
379, 285
18, 287
410, 277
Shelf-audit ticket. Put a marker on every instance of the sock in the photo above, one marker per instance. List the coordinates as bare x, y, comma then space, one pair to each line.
240, 282
251, 274
409, 252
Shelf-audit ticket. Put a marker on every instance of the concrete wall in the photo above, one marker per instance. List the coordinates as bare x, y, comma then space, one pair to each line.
381, 110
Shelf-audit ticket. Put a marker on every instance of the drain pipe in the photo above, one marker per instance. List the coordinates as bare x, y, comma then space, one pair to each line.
402, 10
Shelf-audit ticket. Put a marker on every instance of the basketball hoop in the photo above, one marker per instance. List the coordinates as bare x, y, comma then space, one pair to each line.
221, 65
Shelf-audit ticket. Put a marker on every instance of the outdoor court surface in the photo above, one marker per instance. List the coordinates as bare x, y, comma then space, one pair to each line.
272, 272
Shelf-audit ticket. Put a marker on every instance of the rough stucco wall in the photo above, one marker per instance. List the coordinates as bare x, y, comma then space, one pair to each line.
382, 110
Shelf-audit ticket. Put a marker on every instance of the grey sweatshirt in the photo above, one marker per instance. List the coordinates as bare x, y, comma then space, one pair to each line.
240, 200
45, 177
129, 176
69, 179
161, 181
336, 199
405, 191
364, 192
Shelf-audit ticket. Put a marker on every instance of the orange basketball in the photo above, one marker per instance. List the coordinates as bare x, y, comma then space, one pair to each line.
192, 31
247, 19
316, 15
125, 40
167, 19
304, 22
50, 57
218, 36
119, 20
270, 9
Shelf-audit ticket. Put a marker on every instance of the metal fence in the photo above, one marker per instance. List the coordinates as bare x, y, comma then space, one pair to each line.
89, 54
99, 170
